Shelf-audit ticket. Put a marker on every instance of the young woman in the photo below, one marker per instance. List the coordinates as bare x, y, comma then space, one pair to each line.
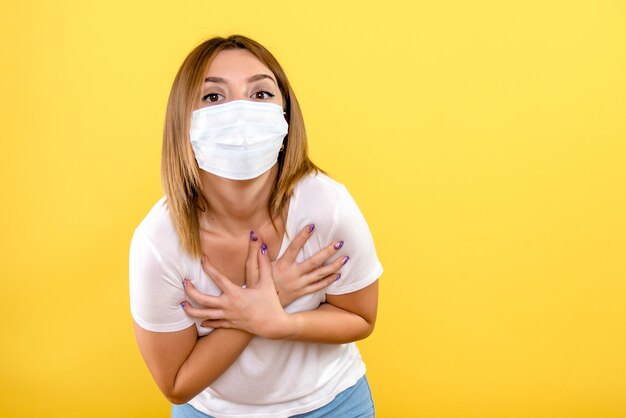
253, 276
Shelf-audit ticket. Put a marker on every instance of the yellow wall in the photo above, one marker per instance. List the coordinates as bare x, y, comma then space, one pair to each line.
485, 141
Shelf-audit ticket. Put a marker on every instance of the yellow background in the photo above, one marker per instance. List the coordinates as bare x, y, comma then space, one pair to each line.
485, 142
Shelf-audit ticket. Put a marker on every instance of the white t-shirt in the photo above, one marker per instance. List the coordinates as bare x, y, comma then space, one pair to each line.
271, 378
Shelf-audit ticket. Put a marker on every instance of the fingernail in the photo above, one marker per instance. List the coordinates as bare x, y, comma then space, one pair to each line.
263, 249
184, 282
338, 245
345, 260
338, 276
253, 236
182, 305
311, 228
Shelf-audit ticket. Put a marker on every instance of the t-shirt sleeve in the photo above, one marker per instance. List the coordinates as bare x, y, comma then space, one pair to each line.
363, 267
156, 288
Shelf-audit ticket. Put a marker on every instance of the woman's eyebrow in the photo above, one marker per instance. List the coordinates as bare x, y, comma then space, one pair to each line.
258, 77
255, 77
215, 80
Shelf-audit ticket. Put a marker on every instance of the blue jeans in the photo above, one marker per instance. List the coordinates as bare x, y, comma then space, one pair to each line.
354, 402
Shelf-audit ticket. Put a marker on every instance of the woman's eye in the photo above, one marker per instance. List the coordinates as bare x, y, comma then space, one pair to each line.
262, 95
211, 97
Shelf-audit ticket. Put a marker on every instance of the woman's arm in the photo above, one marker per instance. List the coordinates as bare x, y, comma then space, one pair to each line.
342, 319
182, 364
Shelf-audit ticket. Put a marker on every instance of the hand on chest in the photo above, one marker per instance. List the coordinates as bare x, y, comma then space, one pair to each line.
229, 254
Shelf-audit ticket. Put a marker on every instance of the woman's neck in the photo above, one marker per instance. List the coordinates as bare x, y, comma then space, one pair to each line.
236, 206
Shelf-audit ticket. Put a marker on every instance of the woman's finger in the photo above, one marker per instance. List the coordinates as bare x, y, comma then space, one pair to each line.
216, 324
321, 256
298, 242
202, 313
323, 271
265, 265
322, 284
252, 261
199, 297
220, 280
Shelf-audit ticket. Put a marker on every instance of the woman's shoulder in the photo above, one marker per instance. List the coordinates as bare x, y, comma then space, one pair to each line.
157, 224
318, 199
320, 186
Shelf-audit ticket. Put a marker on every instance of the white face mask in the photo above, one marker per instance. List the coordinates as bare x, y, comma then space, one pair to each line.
238, 140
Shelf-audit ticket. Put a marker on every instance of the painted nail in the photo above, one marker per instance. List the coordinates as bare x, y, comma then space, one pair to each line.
263, 249
345, 260
185, 283
338, 276
338, 245
182, 304
311, 228
253, 236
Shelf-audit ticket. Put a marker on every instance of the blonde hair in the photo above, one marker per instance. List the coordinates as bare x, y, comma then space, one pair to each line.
179, 169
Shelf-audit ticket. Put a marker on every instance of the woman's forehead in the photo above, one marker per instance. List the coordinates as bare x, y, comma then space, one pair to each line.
235, 65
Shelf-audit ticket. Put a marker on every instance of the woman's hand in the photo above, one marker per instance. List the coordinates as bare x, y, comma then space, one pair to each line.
255, 309
293, 279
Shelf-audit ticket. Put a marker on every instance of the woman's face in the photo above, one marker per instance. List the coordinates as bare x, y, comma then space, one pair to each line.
236, 74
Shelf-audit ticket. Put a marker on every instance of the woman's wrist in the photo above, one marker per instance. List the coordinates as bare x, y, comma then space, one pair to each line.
295, 326
288, 327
